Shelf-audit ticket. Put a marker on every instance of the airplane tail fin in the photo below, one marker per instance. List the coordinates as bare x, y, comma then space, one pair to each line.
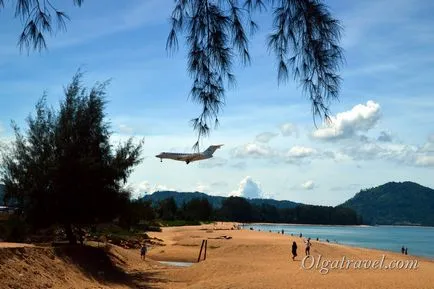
211, 149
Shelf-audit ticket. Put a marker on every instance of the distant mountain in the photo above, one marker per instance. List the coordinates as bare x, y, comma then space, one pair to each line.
405, 203
181, 197
215, 201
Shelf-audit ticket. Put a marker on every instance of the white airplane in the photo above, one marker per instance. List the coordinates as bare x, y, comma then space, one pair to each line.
188, 158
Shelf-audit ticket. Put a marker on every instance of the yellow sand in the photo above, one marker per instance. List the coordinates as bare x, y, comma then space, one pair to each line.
254, 259
249, 259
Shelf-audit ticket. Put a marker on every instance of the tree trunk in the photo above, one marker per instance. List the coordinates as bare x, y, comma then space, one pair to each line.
70, 235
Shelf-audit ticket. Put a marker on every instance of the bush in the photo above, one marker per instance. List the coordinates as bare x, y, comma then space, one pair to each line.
14, 229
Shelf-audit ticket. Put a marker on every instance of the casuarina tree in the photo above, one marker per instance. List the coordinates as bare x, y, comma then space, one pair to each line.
63, 169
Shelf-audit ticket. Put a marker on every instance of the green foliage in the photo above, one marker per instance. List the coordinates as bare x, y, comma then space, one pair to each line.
394, 203
216, 201
236, 209
197, 209
14, 229
137, 212
239, 209
167, 209
63, 170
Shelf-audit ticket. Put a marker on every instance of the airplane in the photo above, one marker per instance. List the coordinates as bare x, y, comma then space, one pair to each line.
189, 157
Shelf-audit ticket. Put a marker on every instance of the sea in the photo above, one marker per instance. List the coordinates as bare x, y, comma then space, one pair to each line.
418, 240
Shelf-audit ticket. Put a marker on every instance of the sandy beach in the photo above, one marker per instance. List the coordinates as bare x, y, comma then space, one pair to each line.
252, 259
235, 259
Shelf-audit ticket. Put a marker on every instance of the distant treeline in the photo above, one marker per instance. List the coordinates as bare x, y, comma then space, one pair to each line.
238, 209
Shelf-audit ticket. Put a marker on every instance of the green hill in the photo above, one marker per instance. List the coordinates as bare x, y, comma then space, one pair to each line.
215, 201
393, 203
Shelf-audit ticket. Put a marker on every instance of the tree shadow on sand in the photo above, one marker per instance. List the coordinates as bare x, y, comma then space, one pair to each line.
105, 267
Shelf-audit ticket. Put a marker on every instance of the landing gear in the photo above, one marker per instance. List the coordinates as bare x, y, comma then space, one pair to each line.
187, 162
161, 160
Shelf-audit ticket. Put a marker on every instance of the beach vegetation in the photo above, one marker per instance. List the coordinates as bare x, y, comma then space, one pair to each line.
63, 169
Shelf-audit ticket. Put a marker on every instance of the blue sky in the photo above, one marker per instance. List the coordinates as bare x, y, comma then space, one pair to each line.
383, 127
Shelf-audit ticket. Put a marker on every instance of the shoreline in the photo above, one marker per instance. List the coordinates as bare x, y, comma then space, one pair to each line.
253, 259
319, 225
352, 242
326, 225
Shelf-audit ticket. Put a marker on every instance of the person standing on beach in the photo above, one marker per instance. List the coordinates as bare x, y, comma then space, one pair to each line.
308, 244
143, 250
402, 250
294, 250
406, 250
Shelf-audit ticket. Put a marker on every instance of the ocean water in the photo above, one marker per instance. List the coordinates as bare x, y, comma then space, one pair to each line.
418, 240
178, 264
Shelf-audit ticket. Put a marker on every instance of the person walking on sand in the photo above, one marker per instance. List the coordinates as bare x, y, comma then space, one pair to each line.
308, 244
143, 250
294, 250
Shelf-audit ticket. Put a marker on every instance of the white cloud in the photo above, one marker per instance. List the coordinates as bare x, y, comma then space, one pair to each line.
428, 147
218, 188
347, 124
374, 151
308, 185
253, 150
248, 188
203, 188
144, 187
401, 153
424, 160
385, 136
300, 152
288, 129
265, 137
214, 162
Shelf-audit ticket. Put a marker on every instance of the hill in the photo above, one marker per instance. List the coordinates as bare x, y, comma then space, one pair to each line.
394, 203
215, 201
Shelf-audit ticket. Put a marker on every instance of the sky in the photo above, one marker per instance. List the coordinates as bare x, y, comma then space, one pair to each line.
382, 125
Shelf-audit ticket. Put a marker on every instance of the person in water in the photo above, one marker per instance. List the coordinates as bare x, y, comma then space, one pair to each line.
294, 250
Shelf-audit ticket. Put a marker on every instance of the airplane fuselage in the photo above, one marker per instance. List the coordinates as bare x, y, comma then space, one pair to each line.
189, 157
